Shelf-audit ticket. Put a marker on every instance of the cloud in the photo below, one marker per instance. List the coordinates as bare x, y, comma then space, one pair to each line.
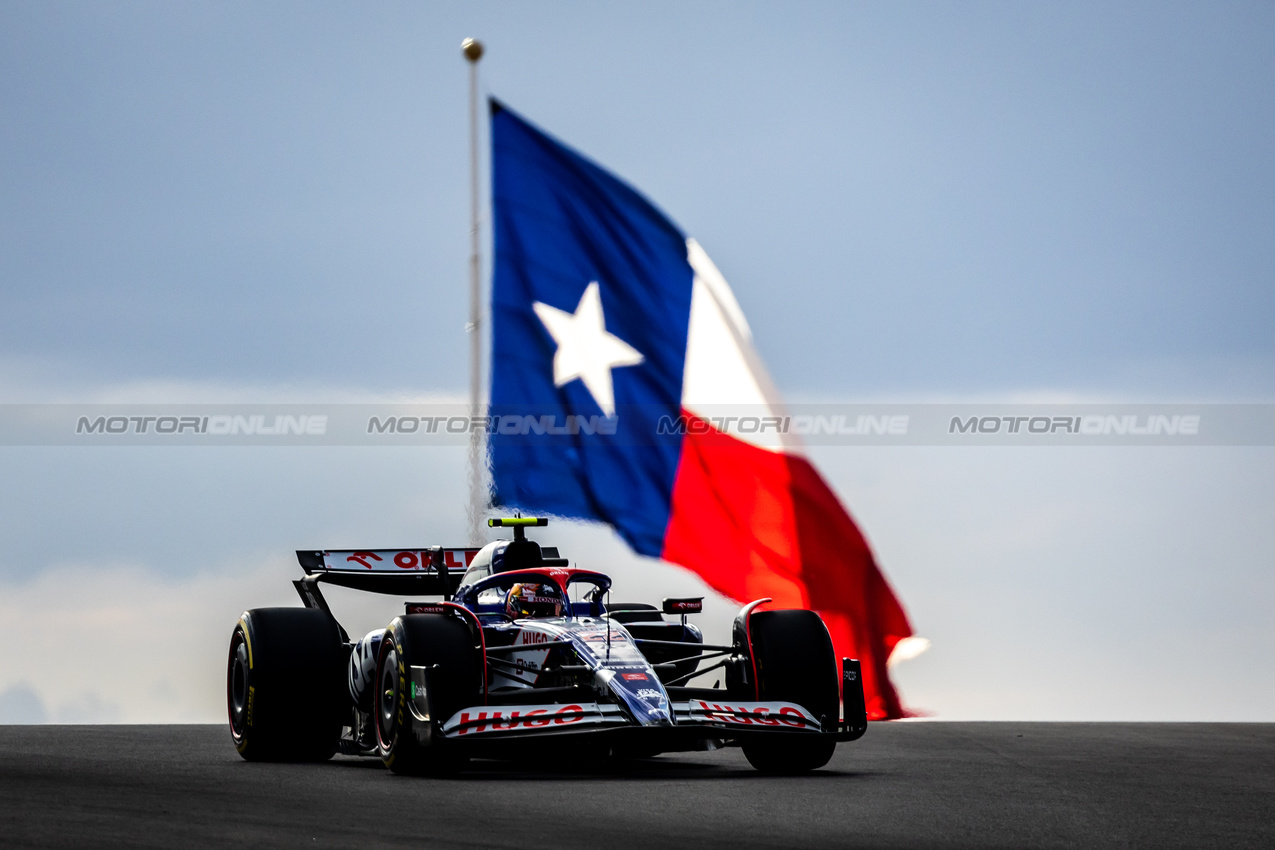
20, 704
121, 643
30, 380
87, 708
1076, 584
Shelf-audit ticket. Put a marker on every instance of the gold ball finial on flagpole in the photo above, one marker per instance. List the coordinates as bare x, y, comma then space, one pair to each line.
472, 48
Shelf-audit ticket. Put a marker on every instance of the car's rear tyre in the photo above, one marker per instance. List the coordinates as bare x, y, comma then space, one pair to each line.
795, 663
407, 722
285, 685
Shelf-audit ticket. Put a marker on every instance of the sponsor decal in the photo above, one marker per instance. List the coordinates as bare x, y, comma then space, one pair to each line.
426, 608
635, 677
390, 560
477, 720
529, 592
529, 663
760, 714
649, 693
362, 558
458, 559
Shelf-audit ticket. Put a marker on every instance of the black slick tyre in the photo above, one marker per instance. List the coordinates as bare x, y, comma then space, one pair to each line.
428, 668
285, 685
795, 663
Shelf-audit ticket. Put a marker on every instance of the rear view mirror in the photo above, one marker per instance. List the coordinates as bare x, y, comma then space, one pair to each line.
686, 605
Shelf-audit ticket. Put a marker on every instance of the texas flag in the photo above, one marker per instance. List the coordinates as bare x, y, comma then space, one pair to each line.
626, 389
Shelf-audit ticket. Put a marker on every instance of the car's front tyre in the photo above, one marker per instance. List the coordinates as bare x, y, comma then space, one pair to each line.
427, 669
796, 663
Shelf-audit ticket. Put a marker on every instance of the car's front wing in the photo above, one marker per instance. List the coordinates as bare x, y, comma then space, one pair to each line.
729, 717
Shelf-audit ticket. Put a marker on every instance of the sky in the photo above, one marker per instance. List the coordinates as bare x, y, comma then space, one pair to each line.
921, 202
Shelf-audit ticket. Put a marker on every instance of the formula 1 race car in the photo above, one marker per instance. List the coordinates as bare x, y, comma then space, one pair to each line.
519, 653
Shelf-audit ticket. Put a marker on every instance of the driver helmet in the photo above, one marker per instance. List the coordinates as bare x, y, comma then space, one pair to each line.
528, 599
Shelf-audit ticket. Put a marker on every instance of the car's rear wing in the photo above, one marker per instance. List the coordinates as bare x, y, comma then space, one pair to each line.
430, 571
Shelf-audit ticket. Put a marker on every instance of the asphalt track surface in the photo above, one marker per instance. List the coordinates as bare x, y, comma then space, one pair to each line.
902, 785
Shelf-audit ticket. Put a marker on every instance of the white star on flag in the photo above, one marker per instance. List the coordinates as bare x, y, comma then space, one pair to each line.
585, 349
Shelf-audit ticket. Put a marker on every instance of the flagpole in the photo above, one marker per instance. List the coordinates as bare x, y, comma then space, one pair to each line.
473, 50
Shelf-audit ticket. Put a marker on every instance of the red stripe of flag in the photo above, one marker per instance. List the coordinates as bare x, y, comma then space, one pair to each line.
754, 523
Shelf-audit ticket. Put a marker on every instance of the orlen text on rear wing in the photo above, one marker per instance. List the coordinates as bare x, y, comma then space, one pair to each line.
432, 571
